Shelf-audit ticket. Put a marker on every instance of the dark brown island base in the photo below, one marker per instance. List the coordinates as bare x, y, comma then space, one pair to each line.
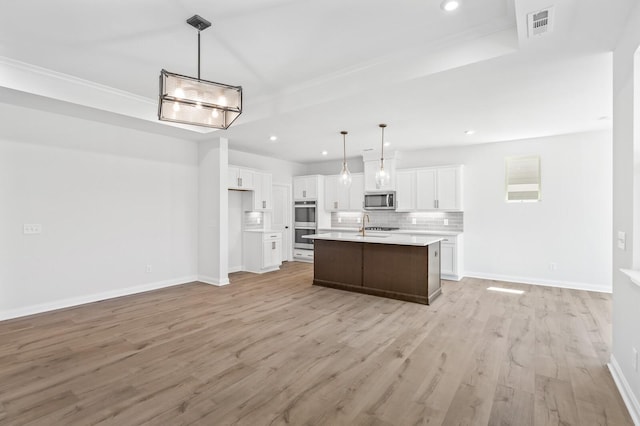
395, 266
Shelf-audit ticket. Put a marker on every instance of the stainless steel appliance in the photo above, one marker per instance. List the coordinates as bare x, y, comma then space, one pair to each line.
304, 223
380, 200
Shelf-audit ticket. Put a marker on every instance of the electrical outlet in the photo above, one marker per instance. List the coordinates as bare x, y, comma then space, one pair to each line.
446, 222
339, 220
258, 221
553, 266
32, 228
635, 359
413, 221
359, 220
148, 268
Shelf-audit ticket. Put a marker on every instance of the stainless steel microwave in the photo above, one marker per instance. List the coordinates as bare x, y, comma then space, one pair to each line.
380, 200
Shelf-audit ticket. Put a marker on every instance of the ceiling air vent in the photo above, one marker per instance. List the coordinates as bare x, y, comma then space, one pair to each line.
540, 22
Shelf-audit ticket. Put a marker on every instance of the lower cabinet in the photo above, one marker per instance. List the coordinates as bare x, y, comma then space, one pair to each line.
262, 251
451, 257
303, 255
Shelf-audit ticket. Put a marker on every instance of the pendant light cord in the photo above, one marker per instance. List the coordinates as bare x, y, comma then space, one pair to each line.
382, 126
198, 54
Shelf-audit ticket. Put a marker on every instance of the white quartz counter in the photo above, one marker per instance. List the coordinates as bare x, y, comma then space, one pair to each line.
376, 238
396, 231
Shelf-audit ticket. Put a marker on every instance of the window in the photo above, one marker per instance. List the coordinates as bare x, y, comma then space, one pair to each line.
522, 178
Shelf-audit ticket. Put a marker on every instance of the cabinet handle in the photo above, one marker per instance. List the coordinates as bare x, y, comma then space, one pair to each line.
335, 204
435, 204
273, 245
239, 181
264, 204
304, 194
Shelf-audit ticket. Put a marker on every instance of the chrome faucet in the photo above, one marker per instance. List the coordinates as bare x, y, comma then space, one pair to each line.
364, 216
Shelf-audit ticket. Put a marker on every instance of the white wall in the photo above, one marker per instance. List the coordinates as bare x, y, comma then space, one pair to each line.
333, 167
282, 170
626, 295
235, 230
517, 241
110, 200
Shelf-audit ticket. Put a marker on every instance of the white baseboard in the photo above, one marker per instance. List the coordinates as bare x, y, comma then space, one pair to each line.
81, 300
213, 281
538, 281
628, 397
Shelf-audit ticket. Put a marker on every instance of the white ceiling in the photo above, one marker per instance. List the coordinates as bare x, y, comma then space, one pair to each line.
310, 69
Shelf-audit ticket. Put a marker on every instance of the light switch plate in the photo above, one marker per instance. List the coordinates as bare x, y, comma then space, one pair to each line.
32, 228
622, 240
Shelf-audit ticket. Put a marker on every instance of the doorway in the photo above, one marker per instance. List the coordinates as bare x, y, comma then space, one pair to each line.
281, 220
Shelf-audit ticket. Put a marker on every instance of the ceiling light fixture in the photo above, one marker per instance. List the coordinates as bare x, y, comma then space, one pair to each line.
195, 101
273, 138
469, 132
325, 153
449, 5
382, 176
345, 174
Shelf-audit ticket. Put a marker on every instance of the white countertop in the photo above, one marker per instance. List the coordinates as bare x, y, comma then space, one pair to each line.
376, 238
262, 231
397, 231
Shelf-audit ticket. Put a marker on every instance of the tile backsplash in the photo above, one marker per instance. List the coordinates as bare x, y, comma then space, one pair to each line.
425, 221
253, 220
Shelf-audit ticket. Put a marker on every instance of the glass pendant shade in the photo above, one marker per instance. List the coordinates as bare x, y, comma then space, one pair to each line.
345, 175
382, 176
189, 100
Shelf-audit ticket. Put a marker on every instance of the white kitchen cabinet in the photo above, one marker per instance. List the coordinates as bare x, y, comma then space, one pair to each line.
303, 255
370, 170
451, 257
240, 178
339, 198
307, 187
439, 188
405, 190
263, 191
262, 251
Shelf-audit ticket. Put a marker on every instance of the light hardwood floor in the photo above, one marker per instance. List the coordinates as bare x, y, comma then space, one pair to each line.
272, 349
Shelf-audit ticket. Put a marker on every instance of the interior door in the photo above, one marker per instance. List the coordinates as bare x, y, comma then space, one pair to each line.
281, 220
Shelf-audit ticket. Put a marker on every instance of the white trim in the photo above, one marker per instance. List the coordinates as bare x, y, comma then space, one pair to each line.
628, 397
213, 281
81, 300
537, 281
633, 274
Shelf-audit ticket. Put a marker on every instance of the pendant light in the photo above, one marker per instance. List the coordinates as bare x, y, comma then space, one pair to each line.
191, 100
345, 174
382, 176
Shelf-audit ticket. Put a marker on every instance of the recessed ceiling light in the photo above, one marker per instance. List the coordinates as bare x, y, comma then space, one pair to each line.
325, 152
273, 138
449, 5
469, 132
387, 143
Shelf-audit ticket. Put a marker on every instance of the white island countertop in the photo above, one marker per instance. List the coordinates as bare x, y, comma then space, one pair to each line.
376, 238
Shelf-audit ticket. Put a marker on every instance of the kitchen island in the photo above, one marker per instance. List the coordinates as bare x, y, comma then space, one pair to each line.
401, 267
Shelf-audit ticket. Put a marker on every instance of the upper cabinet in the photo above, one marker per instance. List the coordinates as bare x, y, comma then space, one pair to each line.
433, 188
405, 190
240, 178
263, 191
371, 168
306, 187
339, 198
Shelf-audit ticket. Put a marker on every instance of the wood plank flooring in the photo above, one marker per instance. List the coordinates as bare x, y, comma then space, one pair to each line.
273, 349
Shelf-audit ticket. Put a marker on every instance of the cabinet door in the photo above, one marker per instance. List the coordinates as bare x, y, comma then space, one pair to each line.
276, 252
331, 193
267, 191
370, 168
447, 259
299, 187
266, 254
245, 179
426, 189
406, 190
311, 186
448, 189
356, 192
232, 177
